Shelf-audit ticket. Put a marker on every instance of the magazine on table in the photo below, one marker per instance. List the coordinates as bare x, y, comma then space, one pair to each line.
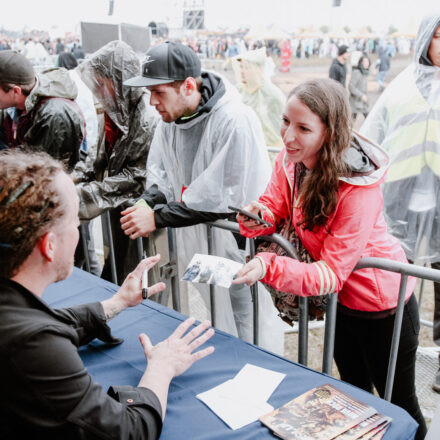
324, 413
368, 426
377, 433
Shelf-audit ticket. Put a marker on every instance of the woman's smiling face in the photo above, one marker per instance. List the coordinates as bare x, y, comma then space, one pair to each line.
303, 133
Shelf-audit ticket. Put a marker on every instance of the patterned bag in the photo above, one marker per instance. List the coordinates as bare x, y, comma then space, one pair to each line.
287, 304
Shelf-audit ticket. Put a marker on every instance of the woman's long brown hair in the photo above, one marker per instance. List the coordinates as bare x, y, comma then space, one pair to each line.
319, 189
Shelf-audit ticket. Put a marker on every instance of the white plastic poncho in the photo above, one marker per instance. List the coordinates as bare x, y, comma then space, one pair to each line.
406, 122
221, 159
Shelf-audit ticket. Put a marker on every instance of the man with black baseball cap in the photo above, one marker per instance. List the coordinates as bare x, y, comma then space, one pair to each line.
338, 69
39, 109
208, 152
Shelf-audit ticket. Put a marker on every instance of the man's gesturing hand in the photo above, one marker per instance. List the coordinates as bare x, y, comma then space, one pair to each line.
174, 355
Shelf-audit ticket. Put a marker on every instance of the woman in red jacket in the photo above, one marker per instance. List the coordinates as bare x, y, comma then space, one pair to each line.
325, 195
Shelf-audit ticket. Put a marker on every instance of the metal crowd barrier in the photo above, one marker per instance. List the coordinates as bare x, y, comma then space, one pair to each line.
405, 269
170, 272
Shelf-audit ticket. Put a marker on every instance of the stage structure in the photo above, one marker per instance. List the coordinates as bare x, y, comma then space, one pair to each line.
194, 14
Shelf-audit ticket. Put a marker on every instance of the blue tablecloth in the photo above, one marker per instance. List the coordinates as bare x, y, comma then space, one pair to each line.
187, 417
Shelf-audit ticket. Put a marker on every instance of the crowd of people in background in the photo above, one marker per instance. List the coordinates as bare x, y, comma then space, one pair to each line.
225, 46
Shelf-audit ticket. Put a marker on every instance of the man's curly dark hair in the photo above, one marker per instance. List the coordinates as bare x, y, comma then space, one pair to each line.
29, 204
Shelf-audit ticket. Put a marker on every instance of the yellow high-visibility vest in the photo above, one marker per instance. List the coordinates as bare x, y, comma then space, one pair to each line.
412, 137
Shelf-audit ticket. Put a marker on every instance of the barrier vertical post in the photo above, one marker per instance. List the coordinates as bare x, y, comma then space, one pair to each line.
303, 330
107, 232
422, 285
84, 228
175, 289
254, 293
396, 338
211, 286
329, 335
140, 248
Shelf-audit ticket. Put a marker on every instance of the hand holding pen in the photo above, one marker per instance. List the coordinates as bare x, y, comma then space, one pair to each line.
135, 287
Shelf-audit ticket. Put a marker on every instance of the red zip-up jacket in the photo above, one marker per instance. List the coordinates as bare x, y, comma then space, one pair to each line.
356, 229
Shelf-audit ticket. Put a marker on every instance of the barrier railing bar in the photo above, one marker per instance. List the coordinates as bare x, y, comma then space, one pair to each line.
85, 235
329, 334
254, 293
211, 286
427, 323
405, 270
106, 229
175, 291
395, 266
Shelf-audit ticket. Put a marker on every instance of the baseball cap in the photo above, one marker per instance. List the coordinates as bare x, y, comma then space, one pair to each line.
166, 63
15, 68
342, 49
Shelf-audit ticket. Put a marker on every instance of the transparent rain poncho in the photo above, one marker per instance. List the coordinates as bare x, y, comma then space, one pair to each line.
406, 122
221, 159
253, 70
112, 178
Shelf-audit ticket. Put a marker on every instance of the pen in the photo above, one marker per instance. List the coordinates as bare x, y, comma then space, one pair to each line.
145, 281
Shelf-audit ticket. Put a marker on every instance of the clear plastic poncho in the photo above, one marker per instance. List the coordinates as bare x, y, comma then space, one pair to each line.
221, 159
113, 178
109, 180
406, 122
253, 70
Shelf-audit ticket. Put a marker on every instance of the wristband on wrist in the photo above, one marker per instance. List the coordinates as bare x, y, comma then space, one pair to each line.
142, 202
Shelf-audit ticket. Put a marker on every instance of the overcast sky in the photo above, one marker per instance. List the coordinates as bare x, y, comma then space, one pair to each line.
289, 14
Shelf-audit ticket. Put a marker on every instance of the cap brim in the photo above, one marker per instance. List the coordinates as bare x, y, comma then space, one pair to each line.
143, 81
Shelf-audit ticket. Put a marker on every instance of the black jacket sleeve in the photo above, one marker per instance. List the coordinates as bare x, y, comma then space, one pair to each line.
89, 322
177, 214
69, 401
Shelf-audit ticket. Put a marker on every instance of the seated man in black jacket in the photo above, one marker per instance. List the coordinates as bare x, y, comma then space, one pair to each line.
47, 393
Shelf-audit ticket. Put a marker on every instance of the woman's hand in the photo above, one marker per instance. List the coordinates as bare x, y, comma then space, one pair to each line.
250, 273
247, 222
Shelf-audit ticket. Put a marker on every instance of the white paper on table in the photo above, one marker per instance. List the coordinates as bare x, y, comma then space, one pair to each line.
257, 382
235, 414
242, 400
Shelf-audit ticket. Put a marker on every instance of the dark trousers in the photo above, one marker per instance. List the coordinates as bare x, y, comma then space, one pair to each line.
436, 329
362, 351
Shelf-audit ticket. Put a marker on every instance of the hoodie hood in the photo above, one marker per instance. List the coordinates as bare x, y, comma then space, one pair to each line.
212, 89
105, 72
52, 83
425, 33
367, 161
